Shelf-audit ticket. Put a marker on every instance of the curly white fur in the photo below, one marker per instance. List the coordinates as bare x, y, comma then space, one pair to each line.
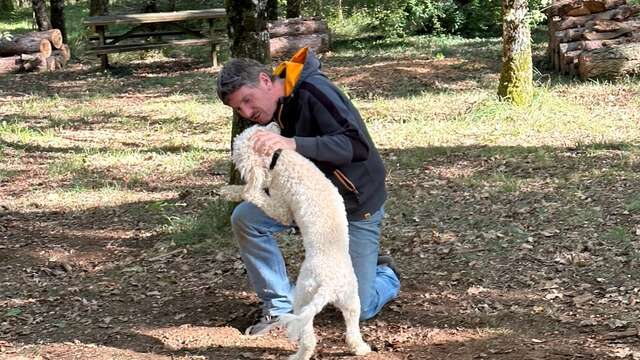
299, 192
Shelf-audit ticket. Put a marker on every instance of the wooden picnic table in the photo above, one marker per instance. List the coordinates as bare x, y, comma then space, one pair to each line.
141, 28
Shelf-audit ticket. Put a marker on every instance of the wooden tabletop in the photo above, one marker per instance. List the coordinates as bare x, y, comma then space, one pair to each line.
157, 17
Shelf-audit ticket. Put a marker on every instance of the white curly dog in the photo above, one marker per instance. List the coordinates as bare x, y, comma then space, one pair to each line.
298, 192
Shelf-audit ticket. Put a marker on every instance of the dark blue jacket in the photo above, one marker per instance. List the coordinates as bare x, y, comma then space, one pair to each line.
329, 131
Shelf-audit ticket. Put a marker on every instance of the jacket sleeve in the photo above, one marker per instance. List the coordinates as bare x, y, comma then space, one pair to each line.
340, 140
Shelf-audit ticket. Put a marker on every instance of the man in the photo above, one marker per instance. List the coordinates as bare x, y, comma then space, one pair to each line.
320, 123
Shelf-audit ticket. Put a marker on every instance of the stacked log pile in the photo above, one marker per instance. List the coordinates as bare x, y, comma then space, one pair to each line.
287, 36
594, 38
37, 51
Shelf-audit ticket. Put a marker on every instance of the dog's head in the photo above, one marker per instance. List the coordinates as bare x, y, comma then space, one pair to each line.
253, 167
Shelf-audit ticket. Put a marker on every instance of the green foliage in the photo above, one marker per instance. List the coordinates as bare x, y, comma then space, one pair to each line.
473, 18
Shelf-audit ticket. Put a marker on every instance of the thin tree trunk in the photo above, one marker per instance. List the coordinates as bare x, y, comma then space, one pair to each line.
293, 8
40, 13
57, 17
98, 7
272, 9
339, 9
248, 38
516, 76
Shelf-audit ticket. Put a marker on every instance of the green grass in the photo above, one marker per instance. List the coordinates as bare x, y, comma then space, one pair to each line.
211, 227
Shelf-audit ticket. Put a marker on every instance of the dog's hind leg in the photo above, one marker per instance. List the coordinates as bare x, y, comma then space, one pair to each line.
349, 305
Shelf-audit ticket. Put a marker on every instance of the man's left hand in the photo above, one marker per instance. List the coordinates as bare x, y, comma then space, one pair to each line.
265, 142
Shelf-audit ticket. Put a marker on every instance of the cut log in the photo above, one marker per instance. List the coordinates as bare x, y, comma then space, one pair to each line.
607, 29
25, 45
287, 45
569, 35
565, 7
581, 11
594, 35
588, 45
610, 62
10, 64
295, 27
619, 14
34, 62
59, 58
53, 35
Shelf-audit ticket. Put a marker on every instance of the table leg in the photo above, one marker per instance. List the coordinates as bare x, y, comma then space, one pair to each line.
214, 46
104, 59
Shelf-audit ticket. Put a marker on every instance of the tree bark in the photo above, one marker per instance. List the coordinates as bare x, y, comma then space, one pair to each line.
25, 45
618, 14
98, 7
248, 38
34, 62
293, 8
291, 27
40, 13
54, 36
610, 62
57, 17
582, 7
516, 76
285, 46
10, 64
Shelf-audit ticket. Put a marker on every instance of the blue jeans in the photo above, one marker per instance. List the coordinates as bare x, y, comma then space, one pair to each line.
253, 230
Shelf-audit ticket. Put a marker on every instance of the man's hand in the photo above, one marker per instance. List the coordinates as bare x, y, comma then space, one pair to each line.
265, 142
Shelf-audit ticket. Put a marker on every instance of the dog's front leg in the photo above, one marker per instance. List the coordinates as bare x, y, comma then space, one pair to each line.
269, 205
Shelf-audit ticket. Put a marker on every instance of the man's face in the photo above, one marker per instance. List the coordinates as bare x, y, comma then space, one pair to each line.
255, 103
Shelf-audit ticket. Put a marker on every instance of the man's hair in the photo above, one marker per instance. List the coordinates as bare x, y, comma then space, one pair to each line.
237, 73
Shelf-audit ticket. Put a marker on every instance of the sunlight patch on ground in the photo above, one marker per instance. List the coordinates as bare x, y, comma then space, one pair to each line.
192, 337
84, 198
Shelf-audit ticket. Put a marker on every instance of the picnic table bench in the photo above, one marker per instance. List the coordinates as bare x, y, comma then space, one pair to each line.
142, 29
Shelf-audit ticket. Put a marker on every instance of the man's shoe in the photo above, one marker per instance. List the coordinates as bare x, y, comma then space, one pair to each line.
388, 261
265, 324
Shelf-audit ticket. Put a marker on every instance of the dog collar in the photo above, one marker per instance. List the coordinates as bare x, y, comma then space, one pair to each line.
274, 159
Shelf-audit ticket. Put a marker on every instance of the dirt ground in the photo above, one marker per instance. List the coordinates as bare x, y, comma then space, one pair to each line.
94, 284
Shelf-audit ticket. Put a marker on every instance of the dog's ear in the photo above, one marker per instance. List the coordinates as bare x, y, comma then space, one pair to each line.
273, 127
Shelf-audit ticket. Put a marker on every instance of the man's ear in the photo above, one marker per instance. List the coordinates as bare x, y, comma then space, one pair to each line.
265, 80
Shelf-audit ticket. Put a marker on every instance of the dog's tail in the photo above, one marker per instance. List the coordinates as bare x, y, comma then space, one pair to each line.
296, 323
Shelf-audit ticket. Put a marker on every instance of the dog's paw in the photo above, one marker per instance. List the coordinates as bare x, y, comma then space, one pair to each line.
231, 192
361, 349
288, 321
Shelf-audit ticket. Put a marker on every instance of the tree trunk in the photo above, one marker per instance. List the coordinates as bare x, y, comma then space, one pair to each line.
272, 9
248, 38
516, 76
10, 64
98, 7
611, 62
293, 8
339, 10
40, 14
57, 17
